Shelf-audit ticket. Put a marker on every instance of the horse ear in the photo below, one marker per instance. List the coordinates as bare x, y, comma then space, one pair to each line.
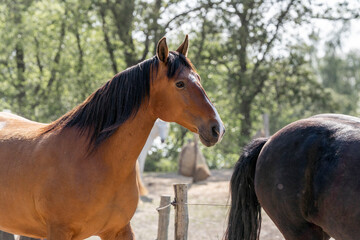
162, 50
183, 49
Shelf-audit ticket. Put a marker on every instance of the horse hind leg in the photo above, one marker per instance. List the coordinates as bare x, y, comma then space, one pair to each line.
310, 233
293, 225
57, 232
301, 231
125, 233
290, 221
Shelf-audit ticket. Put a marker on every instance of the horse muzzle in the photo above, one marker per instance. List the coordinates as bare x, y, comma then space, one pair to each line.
212, 133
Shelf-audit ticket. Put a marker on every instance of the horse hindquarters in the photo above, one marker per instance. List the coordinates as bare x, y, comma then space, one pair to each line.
245, 213
280, 180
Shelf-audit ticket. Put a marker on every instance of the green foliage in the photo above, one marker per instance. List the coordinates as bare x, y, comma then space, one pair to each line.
341, 76
53, 54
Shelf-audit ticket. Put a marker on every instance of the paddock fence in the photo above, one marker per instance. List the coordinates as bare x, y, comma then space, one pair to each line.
180, 204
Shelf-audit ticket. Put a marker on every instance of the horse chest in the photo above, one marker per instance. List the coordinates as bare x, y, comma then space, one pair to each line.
120, 211
118, 208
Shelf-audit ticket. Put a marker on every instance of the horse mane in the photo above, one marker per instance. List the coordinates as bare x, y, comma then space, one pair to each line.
119, 99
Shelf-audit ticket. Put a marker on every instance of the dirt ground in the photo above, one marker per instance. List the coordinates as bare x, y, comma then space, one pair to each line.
205, 222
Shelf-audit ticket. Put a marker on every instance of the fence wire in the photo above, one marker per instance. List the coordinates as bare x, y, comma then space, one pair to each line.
174, 203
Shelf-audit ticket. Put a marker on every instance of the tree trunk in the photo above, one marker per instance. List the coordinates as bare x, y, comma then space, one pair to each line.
158, 31
109, 46
20, 65
19, 59
81, 52
57, 57
123, 12
245, 110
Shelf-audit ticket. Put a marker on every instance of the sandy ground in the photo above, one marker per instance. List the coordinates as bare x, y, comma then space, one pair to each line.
205, 222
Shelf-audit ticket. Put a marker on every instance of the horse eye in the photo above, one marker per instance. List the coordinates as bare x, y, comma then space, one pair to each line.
180, 84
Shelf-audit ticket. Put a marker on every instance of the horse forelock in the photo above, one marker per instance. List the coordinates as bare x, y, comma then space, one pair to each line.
118, 100
176, 62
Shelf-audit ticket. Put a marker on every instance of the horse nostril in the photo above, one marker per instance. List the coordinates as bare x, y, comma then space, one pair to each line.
215, 131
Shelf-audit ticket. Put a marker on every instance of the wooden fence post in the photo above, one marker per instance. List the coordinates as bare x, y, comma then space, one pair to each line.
181, 212
6, 236
266, 125
164, 218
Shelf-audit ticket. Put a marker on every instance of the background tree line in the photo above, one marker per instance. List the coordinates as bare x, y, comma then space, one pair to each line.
254, 57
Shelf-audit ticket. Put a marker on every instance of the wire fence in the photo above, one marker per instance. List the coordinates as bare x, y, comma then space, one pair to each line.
182, 219
173, 203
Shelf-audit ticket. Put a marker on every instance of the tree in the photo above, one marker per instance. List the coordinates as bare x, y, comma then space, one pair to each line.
54, 54
250, 67
341, 75
252, 38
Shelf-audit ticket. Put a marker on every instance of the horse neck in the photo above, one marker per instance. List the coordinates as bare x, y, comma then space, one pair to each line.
124, 146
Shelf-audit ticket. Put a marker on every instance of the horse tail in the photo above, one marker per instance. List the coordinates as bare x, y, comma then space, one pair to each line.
244, 221
142, 189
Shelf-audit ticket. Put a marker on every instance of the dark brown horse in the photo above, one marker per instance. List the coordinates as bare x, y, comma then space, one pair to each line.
307, 179
76, 177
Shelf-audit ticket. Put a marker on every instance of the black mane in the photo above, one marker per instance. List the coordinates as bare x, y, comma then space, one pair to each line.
117, 100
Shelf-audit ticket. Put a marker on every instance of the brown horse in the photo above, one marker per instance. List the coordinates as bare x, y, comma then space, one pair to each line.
76, 177
307, 179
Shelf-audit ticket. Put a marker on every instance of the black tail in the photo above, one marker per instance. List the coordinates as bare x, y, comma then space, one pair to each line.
245, 212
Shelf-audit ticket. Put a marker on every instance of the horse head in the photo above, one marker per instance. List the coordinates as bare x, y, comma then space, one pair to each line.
178, 96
